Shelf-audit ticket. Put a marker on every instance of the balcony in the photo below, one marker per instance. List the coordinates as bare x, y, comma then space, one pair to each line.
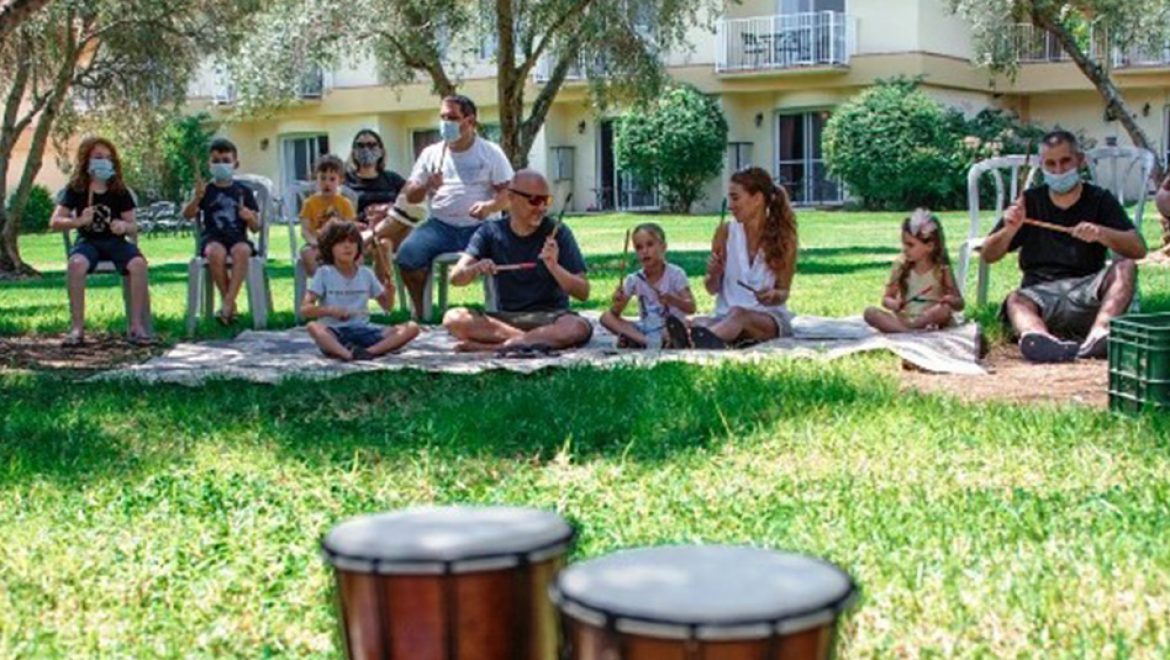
785, 41
1035, 45
581, 70
310, 86
1142, 57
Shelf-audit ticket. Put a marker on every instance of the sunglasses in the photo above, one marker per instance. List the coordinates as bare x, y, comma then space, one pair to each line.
367, 145
534, 200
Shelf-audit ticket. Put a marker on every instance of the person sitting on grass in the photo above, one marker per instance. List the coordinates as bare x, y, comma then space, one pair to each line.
537, 266
339, 297
1068, 295
97, 203
921, 293
327, 204
662, 290
753, 260
229, 211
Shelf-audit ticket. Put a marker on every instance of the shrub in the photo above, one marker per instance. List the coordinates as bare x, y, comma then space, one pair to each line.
677, 144
37, 211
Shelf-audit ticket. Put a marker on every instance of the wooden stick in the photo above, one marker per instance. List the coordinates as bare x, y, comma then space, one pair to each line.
747, 286
561, 216
1048, 225
526, 265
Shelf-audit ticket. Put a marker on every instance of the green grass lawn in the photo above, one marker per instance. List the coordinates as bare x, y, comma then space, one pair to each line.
170, 521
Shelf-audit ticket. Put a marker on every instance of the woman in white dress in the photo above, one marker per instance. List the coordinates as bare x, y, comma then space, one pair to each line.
753, 259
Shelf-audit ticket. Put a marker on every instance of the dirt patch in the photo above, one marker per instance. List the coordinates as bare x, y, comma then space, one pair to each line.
1014, 380
45, 353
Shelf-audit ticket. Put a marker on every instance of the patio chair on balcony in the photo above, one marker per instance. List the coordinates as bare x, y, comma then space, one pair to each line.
755, 46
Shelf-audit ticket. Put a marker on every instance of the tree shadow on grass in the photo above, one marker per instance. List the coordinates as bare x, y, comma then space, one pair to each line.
62, 431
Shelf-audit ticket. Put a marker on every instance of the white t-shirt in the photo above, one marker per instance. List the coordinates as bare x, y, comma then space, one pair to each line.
673, 281
468, 177
334, 289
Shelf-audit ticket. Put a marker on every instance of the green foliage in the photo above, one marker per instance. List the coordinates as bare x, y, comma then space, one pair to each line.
37, 211
677, 144
183, 146
160, 150
897, 148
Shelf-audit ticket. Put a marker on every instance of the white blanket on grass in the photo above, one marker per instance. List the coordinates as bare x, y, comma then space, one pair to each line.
270, 356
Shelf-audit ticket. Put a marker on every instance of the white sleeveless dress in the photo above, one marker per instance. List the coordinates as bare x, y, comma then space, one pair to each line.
755, 273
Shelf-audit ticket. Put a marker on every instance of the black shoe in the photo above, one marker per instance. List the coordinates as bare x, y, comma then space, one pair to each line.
704, 338
1041, 347
677, 334
361, 353
626, 341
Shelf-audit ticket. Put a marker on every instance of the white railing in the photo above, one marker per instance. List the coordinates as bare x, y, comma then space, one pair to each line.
1035, 45
579, 70
1142, 57
785, 41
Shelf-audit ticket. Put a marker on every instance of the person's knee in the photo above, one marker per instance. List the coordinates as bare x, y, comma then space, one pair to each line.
457, 319
409, 329
136, 266
871, 314
78, 265
576, 329
241, 252
1017, 300
214, 253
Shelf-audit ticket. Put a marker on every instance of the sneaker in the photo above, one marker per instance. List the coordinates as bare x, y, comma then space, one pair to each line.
1042, 347
704, 338
677, 335
1095, 347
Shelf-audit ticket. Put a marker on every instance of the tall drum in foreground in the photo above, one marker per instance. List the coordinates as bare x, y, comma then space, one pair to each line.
709, 602
455, 583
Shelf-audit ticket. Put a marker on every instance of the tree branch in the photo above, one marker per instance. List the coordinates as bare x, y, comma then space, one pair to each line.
575, 11
15, 12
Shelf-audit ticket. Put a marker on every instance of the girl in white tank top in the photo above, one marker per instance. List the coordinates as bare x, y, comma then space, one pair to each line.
752, 262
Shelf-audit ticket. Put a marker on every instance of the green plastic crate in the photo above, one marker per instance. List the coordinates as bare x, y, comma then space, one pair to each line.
1139, 363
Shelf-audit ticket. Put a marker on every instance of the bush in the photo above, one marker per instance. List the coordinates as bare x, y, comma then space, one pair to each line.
37, 211
896, 148
677, 144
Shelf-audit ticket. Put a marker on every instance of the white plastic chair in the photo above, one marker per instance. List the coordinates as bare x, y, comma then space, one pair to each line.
293, 198
992, 170
1125, 172
200, 288
108, 267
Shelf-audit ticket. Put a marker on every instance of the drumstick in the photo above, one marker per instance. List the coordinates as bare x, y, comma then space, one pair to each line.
747, 286
1048, 225
561, 216
526, 265
919, 297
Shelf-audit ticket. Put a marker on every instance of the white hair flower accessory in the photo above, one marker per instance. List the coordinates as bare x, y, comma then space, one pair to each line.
922, 223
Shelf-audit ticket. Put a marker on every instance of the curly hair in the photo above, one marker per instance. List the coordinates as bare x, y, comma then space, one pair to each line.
334, 232
779, 239
81, 179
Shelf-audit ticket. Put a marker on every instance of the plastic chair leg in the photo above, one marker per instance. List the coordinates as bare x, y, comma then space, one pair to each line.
194, 294
983, 283
300, 283
443, 289
424, 315
256, 296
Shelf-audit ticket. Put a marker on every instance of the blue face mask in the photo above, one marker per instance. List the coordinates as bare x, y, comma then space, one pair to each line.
101, 169
448, 130
1062, 183
222, 171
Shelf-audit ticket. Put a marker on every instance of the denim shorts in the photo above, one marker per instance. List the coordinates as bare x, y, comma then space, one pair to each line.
429, 240
118, 250
363, 336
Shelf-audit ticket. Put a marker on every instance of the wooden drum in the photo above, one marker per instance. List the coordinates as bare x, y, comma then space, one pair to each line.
709, 602
448, 583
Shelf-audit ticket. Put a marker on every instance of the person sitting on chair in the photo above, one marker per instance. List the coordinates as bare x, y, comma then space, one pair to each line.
1068, 294
537, 266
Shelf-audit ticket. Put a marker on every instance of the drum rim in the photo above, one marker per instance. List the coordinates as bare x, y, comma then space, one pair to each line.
775, 624
450, 564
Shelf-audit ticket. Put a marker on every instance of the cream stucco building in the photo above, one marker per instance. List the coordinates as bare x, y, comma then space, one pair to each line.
778, 67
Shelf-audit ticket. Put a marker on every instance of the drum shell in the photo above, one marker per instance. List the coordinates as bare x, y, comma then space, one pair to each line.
502, 614
589, 642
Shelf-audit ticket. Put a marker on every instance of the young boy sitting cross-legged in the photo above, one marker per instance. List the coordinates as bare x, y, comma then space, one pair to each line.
339, 297
229, 211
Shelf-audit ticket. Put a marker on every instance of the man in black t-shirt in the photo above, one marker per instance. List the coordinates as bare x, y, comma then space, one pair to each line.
1068, 292
537, 266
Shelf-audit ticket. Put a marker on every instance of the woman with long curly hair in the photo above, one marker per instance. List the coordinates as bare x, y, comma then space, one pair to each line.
98, 205
753, 259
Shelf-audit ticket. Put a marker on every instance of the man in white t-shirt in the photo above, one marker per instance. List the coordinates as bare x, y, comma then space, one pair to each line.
465, 180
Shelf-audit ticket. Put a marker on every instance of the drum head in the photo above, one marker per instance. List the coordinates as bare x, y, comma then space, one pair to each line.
704, 592
446, 539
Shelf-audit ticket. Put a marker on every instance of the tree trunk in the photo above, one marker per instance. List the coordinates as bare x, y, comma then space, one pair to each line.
1098, 75
510, 94
10, 260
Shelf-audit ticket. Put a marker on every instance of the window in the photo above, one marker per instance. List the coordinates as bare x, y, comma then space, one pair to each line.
299, 153
739, 155
420, 140
562, 163
804, 6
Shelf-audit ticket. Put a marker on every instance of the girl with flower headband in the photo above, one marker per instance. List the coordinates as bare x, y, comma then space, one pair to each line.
921, 293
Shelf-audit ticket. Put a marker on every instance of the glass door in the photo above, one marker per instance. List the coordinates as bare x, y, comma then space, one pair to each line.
800, 166
298, 154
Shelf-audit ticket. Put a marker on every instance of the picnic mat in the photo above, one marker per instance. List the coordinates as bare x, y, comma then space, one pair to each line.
270, 356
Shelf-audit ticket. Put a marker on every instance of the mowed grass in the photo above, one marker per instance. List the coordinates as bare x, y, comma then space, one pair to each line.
169, 521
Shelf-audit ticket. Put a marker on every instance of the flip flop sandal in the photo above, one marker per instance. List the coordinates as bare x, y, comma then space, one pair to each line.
705, 339
626, 341
222, 318
677, 335
1095, 349
525, 351
1041, 348
141, 340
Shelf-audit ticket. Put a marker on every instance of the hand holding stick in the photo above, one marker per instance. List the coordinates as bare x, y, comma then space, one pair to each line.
524, 265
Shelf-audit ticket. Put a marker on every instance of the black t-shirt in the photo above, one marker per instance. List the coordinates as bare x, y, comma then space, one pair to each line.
1047, 255
108, 206
382, 189
531, 290
220, 207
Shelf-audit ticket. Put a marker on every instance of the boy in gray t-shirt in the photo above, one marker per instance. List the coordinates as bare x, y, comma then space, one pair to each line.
339, 297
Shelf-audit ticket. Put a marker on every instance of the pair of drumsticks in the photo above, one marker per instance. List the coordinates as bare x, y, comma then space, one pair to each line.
529, 265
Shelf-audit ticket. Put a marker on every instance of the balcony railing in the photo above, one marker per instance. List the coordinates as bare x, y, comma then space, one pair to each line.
785, 41
582, 69
1142, 57
1035, 45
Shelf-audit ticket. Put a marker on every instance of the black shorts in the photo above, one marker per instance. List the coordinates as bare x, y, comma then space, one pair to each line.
526, 321
118, 250
1069, 306
226, 242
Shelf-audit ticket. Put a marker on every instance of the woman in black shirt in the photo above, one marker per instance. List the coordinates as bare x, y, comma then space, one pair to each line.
98, 205
376, 189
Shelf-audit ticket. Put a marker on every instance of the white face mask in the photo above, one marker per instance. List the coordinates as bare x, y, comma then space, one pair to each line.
449, 130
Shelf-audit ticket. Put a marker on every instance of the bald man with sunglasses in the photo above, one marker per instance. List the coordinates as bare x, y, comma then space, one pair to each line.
537, 267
